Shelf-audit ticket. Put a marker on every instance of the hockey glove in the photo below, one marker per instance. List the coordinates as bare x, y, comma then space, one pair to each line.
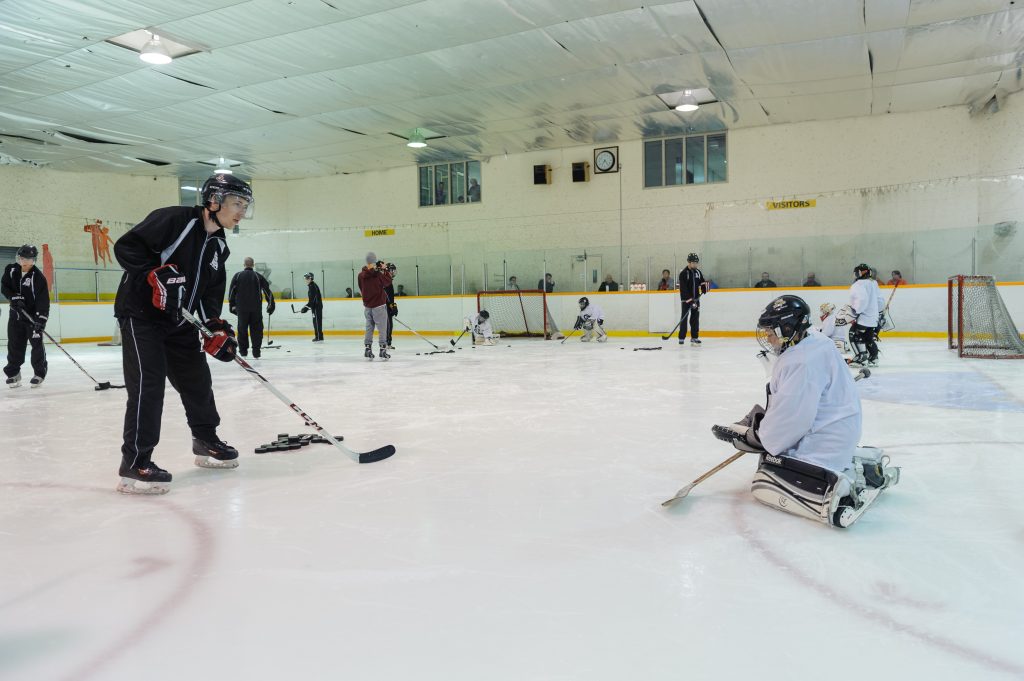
222, 344
742, 438
305, 309
579, 324
39, 324
17, 304
271, 308
393, 309
168, 286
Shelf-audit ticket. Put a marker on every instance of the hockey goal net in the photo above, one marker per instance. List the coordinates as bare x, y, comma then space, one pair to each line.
979, 324
516, 313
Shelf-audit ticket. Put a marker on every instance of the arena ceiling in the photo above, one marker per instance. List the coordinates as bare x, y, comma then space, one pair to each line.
300, 88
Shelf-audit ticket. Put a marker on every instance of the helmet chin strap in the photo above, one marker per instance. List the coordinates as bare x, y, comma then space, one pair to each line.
213, 214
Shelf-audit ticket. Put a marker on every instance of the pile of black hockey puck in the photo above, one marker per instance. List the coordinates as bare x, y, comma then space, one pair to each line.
286, 442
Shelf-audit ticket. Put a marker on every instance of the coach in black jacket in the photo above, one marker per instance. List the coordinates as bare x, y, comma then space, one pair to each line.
25, 286
175, 259
691, 285
245, 300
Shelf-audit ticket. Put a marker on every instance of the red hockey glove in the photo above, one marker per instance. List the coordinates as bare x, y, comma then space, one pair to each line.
222, 345
168, 286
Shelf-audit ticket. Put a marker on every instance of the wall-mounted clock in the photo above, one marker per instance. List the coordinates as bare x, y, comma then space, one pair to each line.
606, 160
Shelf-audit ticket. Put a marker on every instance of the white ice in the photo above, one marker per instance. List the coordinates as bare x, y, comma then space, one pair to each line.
517, 535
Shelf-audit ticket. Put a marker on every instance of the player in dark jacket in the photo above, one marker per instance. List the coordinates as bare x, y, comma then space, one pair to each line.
316, 305
245, 300
175, 259
392, 306
25, 286
691, 285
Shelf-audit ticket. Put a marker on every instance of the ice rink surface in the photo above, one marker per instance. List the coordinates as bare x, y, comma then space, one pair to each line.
517, 535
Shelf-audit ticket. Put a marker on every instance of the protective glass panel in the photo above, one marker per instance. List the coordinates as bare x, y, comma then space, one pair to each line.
695, 160
652, 164
458, 173
717, 169
473, 191
441, 185
673, 162
426, 186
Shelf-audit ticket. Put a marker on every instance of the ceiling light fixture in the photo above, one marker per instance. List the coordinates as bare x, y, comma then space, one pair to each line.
688, 102
154, 51
222, 167
416, 140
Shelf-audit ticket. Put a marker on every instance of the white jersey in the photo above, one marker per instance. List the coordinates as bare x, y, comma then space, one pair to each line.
814, 410
591, 312
866, 301
479, 327
835, 327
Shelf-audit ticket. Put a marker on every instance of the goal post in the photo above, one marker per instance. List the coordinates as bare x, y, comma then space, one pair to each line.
516, 313
978, 323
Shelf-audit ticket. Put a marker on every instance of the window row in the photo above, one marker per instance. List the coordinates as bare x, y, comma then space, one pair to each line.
445, 184
696, 159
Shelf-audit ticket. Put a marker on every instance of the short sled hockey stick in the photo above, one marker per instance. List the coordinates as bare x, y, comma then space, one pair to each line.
456, 341
105, 385
359, 457
413, 330
681, 494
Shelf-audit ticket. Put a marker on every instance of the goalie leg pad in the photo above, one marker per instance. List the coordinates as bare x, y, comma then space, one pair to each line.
802, 489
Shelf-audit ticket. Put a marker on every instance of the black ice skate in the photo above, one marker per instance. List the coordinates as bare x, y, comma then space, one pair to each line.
14, 381
37, 381
384, 352
147, 479
369, 352
695, 341
214, 453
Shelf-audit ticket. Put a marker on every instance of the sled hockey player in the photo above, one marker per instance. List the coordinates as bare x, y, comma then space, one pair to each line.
479, 323
175, 259
810, 464
25, 286
866, 303
591, 320
835, 325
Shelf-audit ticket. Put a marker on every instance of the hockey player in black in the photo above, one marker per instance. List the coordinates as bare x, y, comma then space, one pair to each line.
175, 259
316, 305
392, 306
691, 285
245, 300
25, 286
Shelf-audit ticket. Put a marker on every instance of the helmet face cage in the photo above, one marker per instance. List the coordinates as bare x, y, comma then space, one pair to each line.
484, 314
785, 320
584, 302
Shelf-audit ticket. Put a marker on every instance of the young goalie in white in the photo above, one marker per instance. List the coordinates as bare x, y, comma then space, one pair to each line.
836, 325
591, 321
807, 435
479, 323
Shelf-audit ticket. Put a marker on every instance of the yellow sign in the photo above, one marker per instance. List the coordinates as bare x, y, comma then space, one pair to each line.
379, 232
779, 205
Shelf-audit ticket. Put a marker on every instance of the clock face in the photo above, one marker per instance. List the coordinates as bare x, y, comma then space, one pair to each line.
605, 160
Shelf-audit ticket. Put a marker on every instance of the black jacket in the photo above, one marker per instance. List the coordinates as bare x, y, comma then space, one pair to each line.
690, 283
31, 285
247, 290
315, 299
173, 235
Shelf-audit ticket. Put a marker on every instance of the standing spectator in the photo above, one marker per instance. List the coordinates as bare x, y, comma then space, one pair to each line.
392, 306
401, 291
666, 283
348, 292
513, 284
896, 279
765, 282
25, 286
440, 195
245, 300
174, 260
373, 279
811, 281
608, 284
691, 285
474, 190
546, 284
316, 305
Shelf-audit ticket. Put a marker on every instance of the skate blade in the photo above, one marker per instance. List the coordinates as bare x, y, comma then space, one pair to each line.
131, 486
210, 462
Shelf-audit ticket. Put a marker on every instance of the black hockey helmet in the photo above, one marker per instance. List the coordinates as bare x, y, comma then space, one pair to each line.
485, 314
308, 275
584, 301
787, 318
221, 185
28, 251
693, 257
862, 271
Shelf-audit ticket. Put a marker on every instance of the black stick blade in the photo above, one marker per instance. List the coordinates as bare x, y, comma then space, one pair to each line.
377, 454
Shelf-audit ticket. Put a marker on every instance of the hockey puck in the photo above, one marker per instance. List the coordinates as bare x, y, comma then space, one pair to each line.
417, 354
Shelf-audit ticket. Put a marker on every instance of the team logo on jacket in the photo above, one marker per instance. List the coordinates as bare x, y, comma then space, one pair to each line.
214, 263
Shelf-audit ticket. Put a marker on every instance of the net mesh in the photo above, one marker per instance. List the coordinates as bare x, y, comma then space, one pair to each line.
979, 323
515, 313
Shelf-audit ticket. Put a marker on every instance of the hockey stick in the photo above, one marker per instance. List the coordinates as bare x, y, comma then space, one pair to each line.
456, 341
669, 335
681, 494
270, 339
105, 385
569, 336
296, 311
359, 457
413, 330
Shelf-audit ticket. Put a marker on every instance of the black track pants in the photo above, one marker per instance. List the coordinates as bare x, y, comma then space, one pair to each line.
694, 315
250, 325
152, 354
19, 335
318, 322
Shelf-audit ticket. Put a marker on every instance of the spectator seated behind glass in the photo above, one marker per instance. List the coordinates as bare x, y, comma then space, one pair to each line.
608, 284
666, 283
896, 279
401, 290
474, 190
348, 293
513, 284
547, 284
440, 195
765, 282
811, 280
